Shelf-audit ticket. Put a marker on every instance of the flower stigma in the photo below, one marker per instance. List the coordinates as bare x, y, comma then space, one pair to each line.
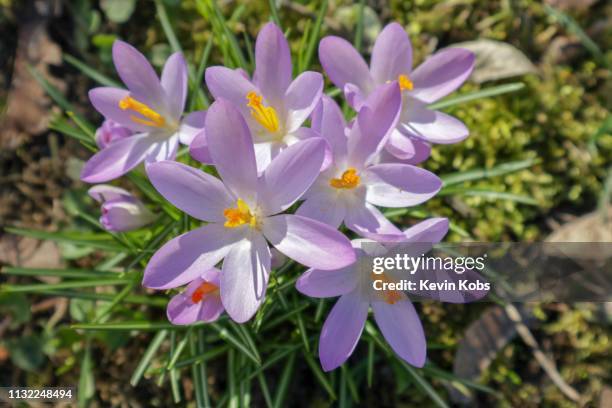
388, 295
235, 217
202, 291
405, 83
153, 118
264, 115
348, 180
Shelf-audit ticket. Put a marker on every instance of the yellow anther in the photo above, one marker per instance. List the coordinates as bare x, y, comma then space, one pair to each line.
389, 296
151, 118
202, 291
405, 83
264, 115
239, 216
349, 179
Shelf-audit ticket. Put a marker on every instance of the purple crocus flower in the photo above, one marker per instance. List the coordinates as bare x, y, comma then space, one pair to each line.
243, 211
350, 188
151, 108
391, 60
109, 132
274, 106
200, 301
121, 211
394, 313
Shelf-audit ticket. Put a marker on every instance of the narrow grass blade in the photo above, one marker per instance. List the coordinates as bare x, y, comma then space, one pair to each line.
439, 373
313, 40
320, 376
265, 390
167, 26
155, 301
106, 309
274, 13
283, 384
480, 174
90, 283
350, 383
60, 124
62, 273
226, 335
489, 194
359, 27
424, 385
133, 325
199, 100
98, 241
148, 357
472, 96
370, 364
91, 72
87, 386
275, 358
234, 400
206, 356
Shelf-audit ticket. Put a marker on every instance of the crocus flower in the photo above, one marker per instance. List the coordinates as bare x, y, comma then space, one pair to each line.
354, 184
121, 211
243, 211
391, 60
274, 106
394, 313
109, 132
151, 108
200, 301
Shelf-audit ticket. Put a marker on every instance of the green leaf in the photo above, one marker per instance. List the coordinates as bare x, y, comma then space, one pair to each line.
99, 241
424, 385
90, 72
133, 325
118, 11
87, 387
155, 301
26, 352
148, 357
167, 26
274, 13
320, 376
62, 273
472, 96
226, 335
479, 174
89, 283
285, 380
489, 194
314, 37
17, 306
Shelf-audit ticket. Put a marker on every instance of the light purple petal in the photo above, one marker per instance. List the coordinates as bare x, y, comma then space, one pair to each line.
191, 126
125, 213
431, 230
191, 190
375, 121
442, 73
272, 63
174, 82
324, 208
322, 284
369, 222
111, 131
231, 148
391, 55
433, 126
185, 257
198, 148
355, 96
301, 98
106, 101
290, 174
228, 84
245, 277
342, 329
343, 64
309, 242
401, 326
405, 148
163, 149
105, 192
116, 159
328, 121
399, 185
182, 310
138, 75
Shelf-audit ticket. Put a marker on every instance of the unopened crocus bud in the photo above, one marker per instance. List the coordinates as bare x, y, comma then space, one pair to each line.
109, 132
200, 301
121, 211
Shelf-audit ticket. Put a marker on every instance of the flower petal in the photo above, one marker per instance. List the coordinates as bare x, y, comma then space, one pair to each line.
328, 121
229, 84
163, 149
375, 121
405, 149
322, 284
309, 242
231, 148
343, 64
106, 101
116, 159
191, 126
431, 230
183, 258
301, 98
174, 82
391, 55
342, 329
433, 126
402, 328
324, 208
399, 185
272, 63
198, 148
245, 277
125, 214
105, 192
139, 76
191, 190
442, 73
290, 174
369, 222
